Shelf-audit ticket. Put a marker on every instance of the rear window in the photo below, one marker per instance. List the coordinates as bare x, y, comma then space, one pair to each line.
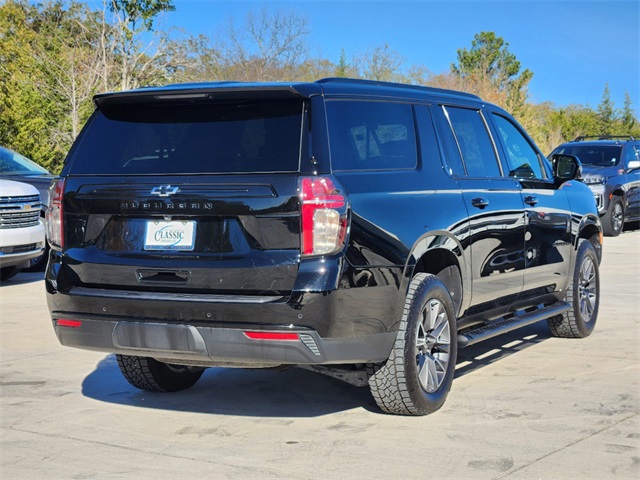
169, 138
371, 135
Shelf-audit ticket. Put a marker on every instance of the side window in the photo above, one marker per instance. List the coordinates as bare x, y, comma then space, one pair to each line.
630, 154
371, 135
522, 159
474, 142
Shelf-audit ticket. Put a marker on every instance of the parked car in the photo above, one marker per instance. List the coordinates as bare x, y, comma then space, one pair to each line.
363, 229
611, 168
14, 166
21, 230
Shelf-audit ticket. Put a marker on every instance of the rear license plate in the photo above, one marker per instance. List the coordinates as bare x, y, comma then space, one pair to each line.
175, 235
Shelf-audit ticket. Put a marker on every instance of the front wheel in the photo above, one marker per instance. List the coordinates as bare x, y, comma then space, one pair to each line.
417, 377
8, 272
155, 376
584, 296
613, 220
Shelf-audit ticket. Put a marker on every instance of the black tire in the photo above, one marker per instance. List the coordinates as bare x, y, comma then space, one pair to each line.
584, 296
8, 272
402, 385
150, 374
613, 220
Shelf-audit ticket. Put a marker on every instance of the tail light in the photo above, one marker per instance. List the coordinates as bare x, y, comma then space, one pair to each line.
324, 216
54, 215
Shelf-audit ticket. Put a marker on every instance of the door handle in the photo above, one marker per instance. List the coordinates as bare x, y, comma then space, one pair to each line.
480, 202
531, 200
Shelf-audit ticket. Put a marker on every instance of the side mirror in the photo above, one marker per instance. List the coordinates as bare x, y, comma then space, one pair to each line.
633, 165
566, 167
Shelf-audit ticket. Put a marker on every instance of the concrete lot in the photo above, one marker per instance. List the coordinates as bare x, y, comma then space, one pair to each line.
523, 406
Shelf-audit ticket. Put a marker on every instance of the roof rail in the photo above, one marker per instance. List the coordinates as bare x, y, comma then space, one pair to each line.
605, 137
359, 81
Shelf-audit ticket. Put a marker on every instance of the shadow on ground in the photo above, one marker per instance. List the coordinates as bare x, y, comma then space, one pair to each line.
23, 278
289, 393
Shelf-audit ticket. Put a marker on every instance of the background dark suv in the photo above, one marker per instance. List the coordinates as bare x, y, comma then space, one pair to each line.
362, 228
611, 168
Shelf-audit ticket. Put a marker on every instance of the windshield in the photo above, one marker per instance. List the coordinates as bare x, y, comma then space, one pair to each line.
596, 155
12, 163
169, 138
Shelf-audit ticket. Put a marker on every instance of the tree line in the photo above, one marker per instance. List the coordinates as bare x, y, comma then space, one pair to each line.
56, 55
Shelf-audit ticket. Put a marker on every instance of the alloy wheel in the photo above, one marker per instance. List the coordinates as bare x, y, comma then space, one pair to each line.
587, 289
433, 340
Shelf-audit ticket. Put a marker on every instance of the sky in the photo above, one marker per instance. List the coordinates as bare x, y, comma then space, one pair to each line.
573, 47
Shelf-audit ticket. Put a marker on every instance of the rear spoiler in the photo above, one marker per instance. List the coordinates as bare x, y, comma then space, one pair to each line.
223, 91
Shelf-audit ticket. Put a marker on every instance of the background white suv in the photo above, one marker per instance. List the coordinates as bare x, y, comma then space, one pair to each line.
21, 229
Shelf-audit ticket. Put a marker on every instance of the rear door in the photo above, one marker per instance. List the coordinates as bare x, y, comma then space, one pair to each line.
187, 192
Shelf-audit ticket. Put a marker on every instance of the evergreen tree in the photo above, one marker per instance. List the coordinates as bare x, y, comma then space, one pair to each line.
628, 118
343, 66
606, 113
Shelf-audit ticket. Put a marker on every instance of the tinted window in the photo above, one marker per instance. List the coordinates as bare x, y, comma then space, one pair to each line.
631, 153
599, 155
475, 145
239, 136
371, 135
522, 159
429, 151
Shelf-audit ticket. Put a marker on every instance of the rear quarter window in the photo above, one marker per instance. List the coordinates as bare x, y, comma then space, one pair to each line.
371, 135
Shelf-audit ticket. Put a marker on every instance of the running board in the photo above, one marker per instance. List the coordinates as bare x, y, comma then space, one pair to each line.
504, 325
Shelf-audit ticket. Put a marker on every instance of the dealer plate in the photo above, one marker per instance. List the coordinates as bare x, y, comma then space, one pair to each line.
173, 235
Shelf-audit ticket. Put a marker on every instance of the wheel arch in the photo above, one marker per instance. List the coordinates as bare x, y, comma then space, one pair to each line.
441, 254
590, 229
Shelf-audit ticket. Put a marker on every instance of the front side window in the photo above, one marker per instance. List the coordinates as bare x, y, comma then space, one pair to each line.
474, 142
371, 135
630, 154
522, 159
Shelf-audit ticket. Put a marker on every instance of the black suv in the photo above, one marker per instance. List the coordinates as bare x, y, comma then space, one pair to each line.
364, 229
611, 168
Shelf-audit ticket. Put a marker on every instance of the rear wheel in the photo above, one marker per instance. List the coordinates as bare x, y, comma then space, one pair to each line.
613, 220
584, 296
150, 374
417, 377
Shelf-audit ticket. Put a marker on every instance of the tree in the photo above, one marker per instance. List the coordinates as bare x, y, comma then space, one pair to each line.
606, 113
269, 47
381, 63
131, 20
628, 118
342, 68
488, 65
29, 116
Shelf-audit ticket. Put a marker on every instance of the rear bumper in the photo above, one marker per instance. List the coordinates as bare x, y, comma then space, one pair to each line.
218, 346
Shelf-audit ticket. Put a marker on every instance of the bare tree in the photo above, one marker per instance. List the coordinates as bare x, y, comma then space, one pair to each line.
268, 47
381, 63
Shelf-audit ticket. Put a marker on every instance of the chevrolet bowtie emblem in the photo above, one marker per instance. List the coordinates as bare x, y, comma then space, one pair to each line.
164, 190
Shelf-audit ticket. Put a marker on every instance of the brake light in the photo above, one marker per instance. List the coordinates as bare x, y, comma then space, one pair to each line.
54, 215
324, 216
